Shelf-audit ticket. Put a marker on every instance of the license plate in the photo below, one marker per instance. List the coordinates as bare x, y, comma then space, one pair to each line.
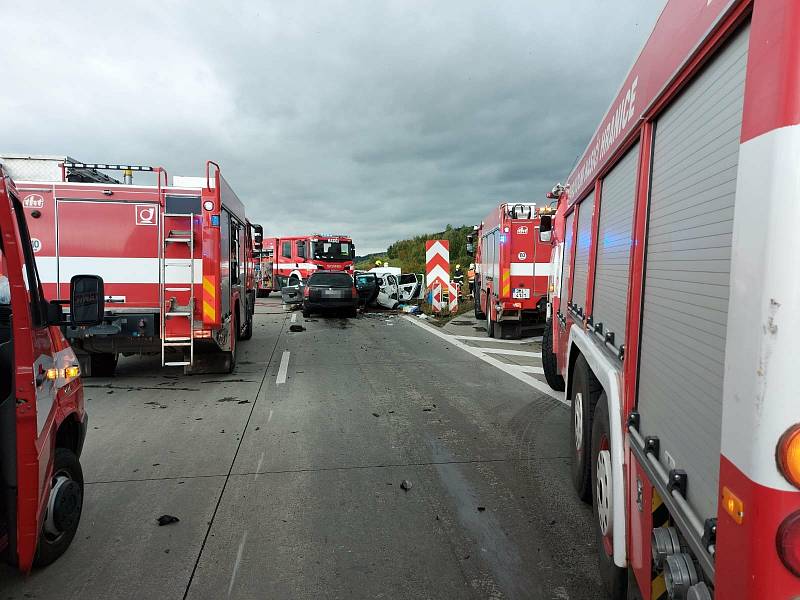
521, 293
330, 293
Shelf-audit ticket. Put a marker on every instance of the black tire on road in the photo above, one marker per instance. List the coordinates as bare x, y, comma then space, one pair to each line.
549, 364
585, 392
615, 579
52, 545
479, 314
306, 313
232, 352
248, 328
103, 364
489, 323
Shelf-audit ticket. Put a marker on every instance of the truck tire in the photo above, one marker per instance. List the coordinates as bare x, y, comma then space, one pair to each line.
615, 579
103, 364
267, 293
248, 328
489, 323
479, 314
585, 392
63, 508
232, 352
549, 363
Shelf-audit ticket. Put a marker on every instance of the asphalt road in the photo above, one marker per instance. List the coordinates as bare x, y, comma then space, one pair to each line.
286, 476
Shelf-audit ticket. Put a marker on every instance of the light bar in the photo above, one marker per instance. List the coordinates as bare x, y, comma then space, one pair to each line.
105, 167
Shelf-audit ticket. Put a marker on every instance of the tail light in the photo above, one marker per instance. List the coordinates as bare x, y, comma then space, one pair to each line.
355, 292
306, 292
788, 543
788, 455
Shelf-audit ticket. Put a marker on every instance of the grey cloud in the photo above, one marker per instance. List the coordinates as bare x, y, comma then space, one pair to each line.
378, 119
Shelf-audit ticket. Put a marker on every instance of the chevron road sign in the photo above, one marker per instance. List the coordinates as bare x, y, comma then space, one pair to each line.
437, 270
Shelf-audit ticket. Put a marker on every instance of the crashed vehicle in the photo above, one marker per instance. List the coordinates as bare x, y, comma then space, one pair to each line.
367, 286
330, 290
396, 288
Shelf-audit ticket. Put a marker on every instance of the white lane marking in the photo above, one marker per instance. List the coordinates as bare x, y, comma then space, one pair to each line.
528, 369
510, 352
236, 564
269, 418
294, 318
282, 368
475, 338
258, 468
516, 373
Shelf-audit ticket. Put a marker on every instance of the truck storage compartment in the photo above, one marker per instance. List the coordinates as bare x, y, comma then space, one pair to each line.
580, 275
687, 272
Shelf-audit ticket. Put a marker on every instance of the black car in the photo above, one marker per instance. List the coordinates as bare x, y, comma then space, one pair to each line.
330, 290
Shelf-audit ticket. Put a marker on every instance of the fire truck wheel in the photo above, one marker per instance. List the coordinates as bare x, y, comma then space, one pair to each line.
489, 323
232, 352
63, 508
248, 328
585, 392
551, 374
614, 578
103, 364
266, 294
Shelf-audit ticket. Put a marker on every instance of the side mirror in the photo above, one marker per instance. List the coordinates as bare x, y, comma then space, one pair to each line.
545, 228
258, 237
470, 249
86, 300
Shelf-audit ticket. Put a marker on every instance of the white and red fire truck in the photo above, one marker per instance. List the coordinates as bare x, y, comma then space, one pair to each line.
176, 260
42, 416
676, 310
263, 261
295, 258
512, 268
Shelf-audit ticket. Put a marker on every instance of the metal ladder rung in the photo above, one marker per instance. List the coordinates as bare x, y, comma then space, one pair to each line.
172, 289
183, 240
177, 313
182, 363
178, 339
177, 344
171, 263
179, 215
184, 233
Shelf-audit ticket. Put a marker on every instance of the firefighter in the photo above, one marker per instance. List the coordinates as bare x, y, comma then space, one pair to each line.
458, 277
471, 279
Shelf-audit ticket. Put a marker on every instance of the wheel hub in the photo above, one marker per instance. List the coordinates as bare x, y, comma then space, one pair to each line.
578, 410
604, 500
63, 506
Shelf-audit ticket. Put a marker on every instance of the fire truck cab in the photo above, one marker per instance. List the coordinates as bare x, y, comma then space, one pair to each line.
42, 418
295, 258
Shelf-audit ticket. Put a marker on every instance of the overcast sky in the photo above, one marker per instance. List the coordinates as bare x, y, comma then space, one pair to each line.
378, 119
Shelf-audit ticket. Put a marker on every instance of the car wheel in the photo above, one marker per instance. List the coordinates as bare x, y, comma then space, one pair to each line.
549, 362
614, 578
585, 392
489, 323
64, 507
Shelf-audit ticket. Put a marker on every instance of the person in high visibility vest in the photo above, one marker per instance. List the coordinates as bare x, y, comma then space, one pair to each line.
458, 277
471, 279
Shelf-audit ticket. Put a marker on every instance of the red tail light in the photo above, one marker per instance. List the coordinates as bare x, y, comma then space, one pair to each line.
355, 292
306, 292
788, 543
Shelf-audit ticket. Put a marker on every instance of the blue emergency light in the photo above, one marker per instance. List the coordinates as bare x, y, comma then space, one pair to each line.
502, 238
215, 220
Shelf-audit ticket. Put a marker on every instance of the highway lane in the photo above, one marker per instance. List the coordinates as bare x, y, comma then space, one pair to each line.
287, 475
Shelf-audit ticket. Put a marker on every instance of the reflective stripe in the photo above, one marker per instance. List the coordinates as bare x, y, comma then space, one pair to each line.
543, 269
506, 283
112, 269
209, 299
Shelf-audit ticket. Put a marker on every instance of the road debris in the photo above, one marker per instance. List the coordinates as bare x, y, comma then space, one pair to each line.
406, 485
296, 328
376, 414
167, 520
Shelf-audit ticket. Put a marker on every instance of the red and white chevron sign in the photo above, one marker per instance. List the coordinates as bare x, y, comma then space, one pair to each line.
437, 271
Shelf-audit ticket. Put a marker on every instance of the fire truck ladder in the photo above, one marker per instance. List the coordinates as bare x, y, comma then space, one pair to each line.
171, 311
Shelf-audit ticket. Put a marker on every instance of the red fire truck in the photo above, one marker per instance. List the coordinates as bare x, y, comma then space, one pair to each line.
675, 310
295, 258
264, 260
42, 416
176, 260
512, 268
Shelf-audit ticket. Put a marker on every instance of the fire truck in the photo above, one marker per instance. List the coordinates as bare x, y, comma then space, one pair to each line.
176, 259
264, 260
295, 258
674, 310
42, 418
512, 268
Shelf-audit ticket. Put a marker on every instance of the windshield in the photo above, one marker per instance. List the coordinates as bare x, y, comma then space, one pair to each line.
331, 279
333, 250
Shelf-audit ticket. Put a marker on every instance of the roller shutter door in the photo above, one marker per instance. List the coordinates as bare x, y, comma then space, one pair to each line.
687, 277
617, 199
567, 264
584, 242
